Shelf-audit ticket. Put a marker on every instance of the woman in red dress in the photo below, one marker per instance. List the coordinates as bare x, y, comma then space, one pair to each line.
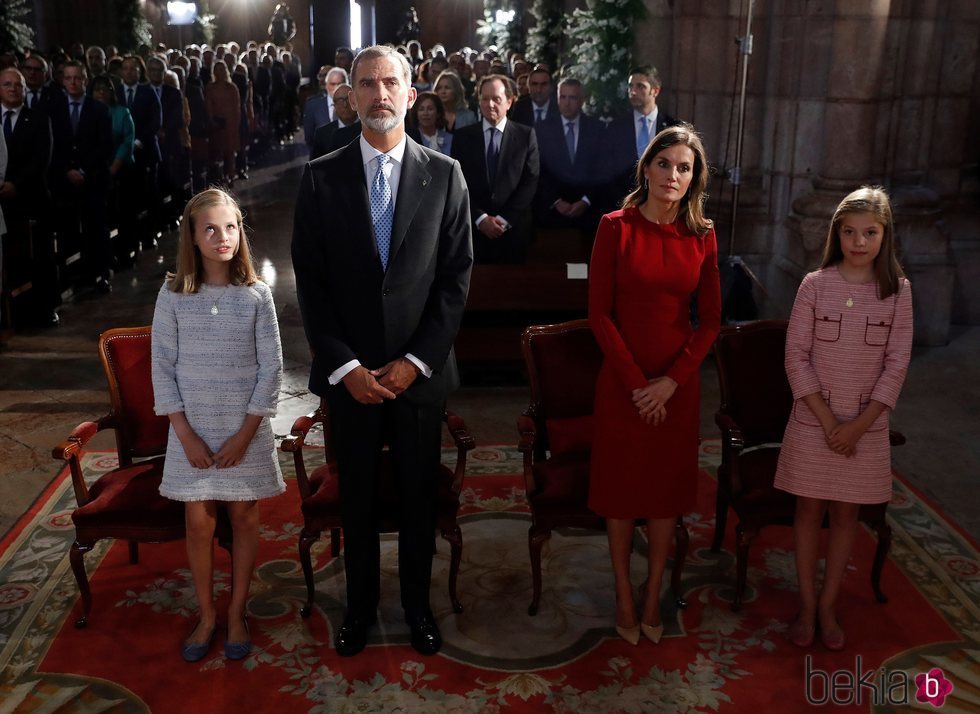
649, 259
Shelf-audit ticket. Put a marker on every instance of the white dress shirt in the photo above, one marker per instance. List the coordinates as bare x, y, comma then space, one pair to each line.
393, 172
486, 147
651, 120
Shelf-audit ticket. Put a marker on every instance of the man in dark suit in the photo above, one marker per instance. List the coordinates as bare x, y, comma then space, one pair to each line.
500, 163
40, 91
630, 134
171, 178
342, 130
539, 106
24, 193
82, 132
147, 120
572, 164
381, 307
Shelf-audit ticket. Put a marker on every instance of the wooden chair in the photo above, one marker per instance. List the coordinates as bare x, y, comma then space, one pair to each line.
756, 402
563, 364
124, 503
319, 493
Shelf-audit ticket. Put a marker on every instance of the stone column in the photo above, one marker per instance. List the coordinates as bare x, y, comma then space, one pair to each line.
859, 30
865, 105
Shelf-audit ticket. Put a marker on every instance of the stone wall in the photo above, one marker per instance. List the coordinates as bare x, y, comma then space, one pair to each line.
839, 94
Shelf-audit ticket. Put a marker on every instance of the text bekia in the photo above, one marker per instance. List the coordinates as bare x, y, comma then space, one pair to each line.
842, 687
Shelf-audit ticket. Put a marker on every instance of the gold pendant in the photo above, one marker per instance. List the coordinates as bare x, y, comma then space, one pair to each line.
850, 302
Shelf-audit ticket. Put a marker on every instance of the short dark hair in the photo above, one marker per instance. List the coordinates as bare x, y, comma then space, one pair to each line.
76, 63
650, 71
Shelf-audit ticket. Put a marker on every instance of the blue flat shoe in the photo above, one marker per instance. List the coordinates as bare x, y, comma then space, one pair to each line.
239, 650
194, 653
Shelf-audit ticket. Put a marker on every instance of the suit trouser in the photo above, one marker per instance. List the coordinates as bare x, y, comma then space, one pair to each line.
413, 433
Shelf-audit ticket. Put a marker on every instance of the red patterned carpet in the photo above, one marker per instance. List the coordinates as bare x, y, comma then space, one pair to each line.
496, 657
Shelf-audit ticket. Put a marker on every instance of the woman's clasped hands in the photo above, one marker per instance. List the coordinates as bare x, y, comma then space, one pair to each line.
651, 400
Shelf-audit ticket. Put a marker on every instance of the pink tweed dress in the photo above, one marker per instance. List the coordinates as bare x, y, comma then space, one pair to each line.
851, 347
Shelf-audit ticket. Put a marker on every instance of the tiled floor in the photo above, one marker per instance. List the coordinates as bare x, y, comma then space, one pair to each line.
50, 380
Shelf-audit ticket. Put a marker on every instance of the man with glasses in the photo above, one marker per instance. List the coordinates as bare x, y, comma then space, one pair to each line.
39, 91
342, 130
319, 110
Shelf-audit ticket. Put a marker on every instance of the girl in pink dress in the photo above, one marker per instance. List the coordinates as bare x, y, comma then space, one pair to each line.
847, 351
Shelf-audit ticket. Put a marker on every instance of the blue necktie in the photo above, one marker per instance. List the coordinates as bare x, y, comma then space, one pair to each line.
540, 117
74, 117
8, 125
570, 140
493, 153
382, 210
129, 97
642, 137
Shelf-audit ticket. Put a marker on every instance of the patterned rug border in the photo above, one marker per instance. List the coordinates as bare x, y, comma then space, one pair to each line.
938, 559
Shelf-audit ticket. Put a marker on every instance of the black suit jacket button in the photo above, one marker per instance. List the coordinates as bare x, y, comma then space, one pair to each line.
385, 292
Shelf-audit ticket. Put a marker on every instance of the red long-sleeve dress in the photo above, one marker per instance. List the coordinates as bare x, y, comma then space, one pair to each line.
643, 275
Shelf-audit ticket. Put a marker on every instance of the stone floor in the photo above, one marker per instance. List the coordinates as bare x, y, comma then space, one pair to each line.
51, 379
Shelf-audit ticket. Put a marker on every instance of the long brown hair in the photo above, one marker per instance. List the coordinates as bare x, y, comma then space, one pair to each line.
692, 202
873, 200
190, 267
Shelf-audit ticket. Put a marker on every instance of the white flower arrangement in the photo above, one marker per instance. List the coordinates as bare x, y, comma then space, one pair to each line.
601, 39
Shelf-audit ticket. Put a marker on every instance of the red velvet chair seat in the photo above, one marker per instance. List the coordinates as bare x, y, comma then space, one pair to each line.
756, 402
320, 501
556, 434
128, 501
563, 489
125, 503
323, 505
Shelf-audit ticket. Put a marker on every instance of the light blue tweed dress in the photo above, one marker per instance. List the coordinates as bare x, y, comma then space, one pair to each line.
217, 368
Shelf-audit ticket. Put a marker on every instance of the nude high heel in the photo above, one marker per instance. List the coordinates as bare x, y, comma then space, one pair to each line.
652, 632
630, 634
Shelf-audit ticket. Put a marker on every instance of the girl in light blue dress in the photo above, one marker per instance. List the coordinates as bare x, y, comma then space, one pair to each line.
217, 367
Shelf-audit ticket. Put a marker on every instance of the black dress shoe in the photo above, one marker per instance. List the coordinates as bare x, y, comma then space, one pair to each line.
425, 634
103, 286
351, 638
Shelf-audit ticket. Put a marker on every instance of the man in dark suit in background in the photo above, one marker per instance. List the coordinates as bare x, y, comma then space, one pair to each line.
171, 122
540, 105
342, 130
500, 163
41, 92
572, 164
147, 119
82, 131
24, 193
630, 134
381, 308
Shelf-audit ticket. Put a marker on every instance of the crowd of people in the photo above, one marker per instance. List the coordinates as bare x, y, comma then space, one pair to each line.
103, 144
564, 174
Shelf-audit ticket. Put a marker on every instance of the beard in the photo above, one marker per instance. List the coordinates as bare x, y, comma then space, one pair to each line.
384, 123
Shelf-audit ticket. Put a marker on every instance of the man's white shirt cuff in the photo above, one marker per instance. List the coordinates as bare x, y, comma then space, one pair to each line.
342, 371
423, 367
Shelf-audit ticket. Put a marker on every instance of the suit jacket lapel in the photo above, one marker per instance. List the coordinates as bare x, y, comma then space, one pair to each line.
506, 148
412, 185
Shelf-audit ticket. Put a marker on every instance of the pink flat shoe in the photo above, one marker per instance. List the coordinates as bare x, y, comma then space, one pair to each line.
834, 642
801, 635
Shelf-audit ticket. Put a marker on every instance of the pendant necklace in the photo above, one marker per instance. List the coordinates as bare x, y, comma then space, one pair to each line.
850, 302
214, 303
